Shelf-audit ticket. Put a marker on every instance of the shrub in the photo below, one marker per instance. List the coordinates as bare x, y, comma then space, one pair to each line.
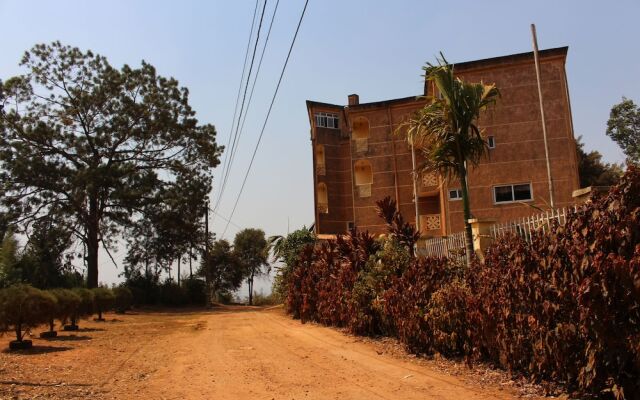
85, 307
195, 289
23, 307
447, 320
103, 300
172, 295
67, 302
123, 299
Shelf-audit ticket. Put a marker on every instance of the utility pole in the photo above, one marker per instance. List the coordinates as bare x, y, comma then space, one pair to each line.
544, 125
206, 252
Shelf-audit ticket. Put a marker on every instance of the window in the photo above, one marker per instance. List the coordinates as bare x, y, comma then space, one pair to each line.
327, 120
491, 142
455, 194
511, 193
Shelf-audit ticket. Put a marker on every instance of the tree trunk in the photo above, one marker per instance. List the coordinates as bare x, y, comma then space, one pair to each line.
19, 332
251, 289
179, 257
467, 215
92, 243
51, 325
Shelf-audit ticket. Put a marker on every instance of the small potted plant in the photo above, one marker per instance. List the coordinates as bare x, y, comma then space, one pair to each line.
103, 300
23, 307
123, 299
67, 302
85, 307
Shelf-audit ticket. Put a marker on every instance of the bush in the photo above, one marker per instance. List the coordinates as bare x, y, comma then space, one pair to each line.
173, 295
195, 290
85, 308
67, 302
103, 300
564, 307
23, 307
123, 299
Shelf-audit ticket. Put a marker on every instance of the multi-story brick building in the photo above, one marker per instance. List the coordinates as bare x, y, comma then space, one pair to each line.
359, 158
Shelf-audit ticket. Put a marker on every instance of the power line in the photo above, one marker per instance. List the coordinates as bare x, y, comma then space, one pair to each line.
264, 48
235, 112
273, 99
226, 219
237, 134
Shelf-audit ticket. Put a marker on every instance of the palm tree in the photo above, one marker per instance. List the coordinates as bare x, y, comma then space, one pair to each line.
447, 132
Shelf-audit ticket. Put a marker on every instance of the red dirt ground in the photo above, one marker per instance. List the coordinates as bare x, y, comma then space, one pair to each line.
231, 353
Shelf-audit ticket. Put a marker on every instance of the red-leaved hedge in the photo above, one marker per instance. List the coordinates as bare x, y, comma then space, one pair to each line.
564, 307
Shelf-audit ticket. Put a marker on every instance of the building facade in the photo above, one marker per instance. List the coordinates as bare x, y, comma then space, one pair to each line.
359, 157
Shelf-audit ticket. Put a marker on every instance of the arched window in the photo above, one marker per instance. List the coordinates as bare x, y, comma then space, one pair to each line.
363, 175
323, 198
320, 165
360, 134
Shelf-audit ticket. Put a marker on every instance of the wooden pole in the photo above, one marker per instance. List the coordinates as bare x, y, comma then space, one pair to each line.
415, 187
544, 125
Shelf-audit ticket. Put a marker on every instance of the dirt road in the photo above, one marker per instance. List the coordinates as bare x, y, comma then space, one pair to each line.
234, 353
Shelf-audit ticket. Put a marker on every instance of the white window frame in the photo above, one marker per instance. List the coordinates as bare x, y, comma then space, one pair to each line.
458, 193
493, 192
327, 118
490, 139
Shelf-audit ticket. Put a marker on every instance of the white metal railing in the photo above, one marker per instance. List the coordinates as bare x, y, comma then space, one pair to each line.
526, 226
452, 246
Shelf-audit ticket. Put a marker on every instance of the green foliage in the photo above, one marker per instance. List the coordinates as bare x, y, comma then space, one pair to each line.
9, 261
103, 300
223, 269
48, 266
195, 289
252, 251
260, 299
23, 307
286, 249
67, 303
624, 128
85, 308
100, 147
172, 295
593, 171
123, 299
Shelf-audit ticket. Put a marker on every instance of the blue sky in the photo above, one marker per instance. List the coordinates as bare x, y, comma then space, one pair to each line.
373, 48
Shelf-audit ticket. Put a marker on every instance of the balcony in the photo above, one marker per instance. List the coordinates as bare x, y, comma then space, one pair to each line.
364, 190
430, 224
429, 184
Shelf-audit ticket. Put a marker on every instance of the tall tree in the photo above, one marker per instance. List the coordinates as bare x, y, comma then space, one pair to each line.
251, 248
447, 130
593, 171
624, 128
222, 269
94, 143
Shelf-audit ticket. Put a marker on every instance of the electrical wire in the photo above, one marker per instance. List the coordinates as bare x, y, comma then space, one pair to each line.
273, 99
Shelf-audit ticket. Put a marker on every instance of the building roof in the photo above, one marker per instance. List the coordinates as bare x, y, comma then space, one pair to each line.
493, 61
462, 66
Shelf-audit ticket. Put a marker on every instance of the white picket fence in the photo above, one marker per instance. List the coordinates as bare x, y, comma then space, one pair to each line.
524, 227
451, 246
